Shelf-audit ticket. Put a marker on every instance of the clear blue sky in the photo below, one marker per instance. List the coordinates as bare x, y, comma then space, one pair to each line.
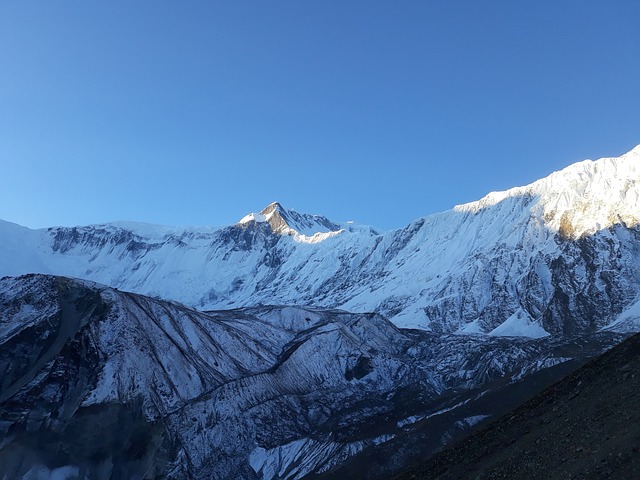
196, 113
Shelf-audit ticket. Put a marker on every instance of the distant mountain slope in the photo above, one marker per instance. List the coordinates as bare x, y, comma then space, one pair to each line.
559, 256
586, 426
102, 384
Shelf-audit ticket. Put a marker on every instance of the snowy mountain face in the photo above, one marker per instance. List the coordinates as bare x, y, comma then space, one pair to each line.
115, 379
556, 257
103, 384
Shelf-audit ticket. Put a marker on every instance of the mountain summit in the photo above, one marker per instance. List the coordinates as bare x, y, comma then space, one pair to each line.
580, 199
290, 222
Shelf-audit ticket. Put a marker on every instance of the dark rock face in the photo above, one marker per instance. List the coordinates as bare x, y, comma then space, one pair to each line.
593, 281
103, 384
362, 368
249, 236
586, 426
48, 367
57, 336
578, 287
106, 441
94, 239
281, 220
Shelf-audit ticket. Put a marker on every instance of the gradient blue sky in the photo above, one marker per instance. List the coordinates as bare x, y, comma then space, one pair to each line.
196, 113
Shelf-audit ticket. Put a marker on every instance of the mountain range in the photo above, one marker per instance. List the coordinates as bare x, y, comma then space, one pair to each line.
522, 262
291, 346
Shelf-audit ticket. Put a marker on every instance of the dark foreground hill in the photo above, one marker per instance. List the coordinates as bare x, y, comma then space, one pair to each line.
586, 426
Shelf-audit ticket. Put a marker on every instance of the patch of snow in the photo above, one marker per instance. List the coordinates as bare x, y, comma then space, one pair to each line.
316, 237
253, 217
629, 320
412, 318
447, 409
298, 458
539, 364
41, 472
519, 325
471, 421
409, 420
284, 459
470, 328
19, 251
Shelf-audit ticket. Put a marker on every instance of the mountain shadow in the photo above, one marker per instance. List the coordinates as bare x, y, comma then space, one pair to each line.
585, 426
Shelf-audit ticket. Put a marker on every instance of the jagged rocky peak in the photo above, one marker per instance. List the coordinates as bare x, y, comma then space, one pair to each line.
285, 221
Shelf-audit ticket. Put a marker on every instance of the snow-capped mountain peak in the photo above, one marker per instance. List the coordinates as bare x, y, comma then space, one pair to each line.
284, 221
634, 152
580, 199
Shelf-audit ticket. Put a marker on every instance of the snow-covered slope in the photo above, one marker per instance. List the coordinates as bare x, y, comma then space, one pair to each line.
556, 257
102, 384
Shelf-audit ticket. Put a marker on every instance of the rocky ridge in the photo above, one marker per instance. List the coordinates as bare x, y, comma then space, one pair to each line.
103, 384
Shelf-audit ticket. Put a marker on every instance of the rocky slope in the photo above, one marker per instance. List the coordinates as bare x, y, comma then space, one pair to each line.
557, 257
586, 426
102, 384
